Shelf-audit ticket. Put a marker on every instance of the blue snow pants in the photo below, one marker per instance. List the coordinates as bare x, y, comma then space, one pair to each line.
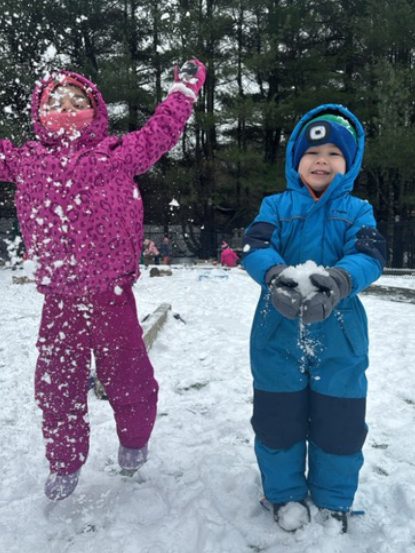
309, 405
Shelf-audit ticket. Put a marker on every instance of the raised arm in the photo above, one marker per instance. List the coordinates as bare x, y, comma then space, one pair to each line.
140, 150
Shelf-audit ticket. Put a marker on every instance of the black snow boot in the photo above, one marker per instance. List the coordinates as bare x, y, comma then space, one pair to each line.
342, 518
291, 516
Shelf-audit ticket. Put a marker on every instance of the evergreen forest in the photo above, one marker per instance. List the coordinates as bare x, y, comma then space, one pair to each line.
268, 63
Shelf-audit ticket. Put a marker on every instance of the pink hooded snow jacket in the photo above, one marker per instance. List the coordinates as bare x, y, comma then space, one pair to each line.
229, 258
79, 209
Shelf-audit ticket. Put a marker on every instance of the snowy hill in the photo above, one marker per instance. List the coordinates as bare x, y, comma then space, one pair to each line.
199, 491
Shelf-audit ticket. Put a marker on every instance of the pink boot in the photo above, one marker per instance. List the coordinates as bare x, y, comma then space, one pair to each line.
60, 486
131, 460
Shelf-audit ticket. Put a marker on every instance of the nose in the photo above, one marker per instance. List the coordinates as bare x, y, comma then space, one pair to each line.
66, 105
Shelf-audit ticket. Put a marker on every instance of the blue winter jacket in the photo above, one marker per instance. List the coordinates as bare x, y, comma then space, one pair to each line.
291, 228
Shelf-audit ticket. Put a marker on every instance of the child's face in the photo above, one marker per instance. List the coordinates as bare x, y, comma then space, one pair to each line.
67, 98
320, 164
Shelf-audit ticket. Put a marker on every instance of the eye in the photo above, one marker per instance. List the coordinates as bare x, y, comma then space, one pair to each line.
80, 102
53, 100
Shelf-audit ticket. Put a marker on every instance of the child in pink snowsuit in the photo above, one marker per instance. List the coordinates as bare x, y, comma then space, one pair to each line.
81, 217
228, 257
150, 252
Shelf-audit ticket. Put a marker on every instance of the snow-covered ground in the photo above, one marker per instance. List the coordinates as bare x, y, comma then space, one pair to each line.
199, 491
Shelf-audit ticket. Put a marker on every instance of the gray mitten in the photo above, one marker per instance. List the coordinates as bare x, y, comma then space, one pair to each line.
285, 296
331, 289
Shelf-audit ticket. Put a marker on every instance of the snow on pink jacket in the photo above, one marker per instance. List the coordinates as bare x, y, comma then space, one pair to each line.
79, 209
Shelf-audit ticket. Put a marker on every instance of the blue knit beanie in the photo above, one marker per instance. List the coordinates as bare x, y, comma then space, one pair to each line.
327, 129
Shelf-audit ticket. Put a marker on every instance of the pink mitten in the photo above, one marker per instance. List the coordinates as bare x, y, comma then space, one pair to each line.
189, 78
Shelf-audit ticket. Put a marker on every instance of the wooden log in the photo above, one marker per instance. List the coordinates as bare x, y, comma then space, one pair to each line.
392, 293
151, 326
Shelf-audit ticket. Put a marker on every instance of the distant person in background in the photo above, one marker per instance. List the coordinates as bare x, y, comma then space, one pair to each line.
150, 252
165, 250
228, 257
81, 218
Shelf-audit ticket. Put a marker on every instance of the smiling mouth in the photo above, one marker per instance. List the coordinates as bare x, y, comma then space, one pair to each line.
320, 172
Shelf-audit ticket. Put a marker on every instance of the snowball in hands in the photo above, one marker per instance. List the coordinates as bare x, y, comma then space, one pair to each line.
285, 296
301, 275
332, 287
307, 290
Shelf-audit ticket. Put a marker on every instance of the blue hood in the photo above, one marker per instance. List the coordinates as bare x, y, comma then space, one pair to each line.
341, 183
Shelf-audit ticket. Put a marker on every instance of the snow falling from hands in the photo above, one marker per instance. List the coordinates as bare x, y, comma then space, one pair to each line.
308, 345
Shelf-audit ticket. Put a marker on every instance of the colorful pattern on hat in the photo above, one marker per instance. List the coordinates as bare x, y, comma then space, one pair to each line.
327, 129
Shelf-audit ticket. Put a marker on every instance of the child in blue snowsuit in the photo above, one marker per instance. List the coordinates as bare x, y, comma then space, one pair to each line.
309, 354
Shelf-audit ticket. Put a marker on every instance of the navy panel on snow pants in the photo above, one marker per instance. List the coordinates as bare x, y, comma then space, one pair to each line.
335, 424
335, 428
280, 419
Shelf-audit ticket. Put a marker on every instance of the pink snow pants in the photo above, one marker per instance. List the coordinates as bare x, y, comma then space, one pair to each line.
71, 328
